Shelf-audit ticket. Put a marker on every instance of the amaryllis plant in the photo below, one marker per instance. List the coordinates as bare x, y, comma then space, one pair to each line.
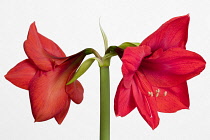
154, 71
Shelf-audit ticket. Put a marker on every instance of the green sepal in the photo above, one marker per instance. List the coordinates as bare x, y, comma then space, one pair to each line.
128, 44
82, 69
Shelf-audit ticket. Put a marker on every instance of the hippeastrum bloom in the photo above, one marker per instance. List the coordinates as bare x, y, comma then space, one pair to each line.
155, 73
45, 74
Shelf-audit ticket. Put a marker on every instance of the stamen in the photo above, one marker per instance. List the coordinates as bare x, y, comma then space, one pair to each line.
150, 93
165, 93
158, 91
157, 94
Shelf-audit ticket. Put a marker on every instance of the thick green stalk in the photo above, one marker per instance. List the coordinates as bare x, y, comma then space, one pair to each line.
104, 103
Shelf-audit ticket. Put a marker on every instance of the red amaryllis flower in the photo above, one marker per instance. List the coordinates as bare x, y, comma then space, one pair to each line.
155, 73
45, 74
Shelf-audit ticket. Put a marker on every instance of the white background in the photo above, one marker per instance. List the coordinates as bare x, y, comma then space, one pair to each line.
73, 25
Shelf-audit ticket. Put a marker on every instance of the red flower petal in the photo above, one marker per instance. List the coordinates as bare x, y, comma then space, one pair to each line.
173, 33
177, 98
21, 74
123, 102
47, 94
146, 105
75, 91
131, 59
172, 67
60, 117
40, 49
143, 84
51, 47
48, 89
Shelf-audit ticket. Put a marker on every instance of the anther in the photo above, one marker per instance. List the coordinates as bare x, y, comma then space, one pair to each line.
157, 94
150, 93
158, 91
165, 93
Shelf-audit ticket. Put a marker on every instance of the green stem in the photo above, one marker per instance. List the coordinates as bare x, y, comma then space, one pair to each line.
104, 103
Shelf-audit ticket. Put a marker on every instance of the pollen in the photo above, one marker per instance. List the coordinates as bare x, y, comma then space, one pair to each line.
158, 91
150, 93
165, 93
